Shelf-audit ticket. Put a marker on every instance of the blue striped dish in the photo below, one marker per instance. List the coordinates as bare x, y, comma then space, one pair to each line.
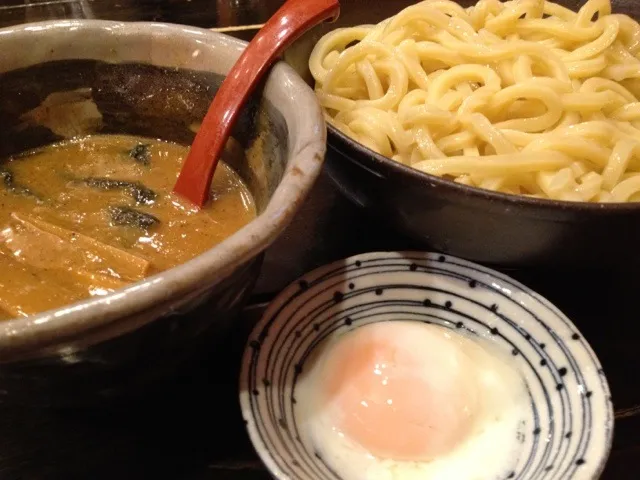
570, 428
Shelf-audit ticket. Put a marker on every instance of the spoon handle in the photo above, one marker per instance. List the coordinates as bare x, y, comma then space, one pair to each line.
293, 19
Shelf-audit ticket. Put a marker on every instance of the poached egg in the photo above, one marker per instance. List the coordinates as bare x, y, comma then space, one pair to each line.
410, 400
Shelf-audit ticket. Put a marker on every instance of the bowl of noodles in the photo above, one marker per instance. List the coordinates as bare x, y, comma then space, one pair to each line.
504, 132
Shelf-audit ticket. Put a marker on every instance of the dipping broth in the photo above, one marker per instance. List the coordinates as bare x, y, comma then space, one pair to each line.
87, 216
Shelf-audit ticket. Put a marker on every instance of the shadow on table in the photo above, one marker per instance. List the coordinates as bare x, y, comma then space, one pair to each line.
187, 428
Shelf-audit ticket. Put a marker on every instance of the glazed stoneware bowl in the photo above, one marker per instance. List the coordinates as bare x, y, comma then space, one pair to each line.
568, 428
153, 80
488, 227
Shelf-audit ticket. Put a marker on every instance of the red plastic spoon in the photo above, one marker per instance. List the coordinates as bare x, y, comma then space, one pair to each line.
293, 19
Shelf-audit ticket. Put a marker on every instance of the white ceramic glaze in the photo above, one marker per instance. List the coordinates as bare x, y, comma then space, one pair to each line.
568, 432
98, 319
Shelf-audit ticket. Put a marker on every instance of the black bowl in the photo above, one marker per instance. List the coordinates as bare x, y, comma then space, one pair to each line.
152, 80
480, 225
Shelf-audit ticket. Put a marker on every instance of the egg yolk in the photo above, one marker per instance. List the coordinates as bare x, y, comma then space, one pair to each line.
403, 390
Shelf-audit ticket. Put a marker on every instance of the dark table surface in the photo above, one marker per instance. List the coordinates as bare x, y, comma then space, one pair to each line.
189, 427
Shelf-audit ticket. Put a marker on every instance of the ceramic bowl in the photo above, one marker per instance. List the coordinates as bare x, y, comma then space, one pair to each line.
569, 427
480, 225
152, 80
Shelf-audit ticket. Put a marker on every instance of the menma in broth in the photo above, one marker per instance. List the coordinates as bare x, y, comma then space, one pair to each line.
90, 215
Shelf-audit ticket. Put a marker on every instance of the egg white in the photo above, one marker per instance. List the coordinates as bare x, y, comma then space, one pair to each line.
489, 452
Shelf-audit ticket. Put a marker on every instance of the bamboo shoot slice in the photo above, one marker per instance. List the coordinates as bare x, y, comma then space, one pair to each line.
126, 264
98, 281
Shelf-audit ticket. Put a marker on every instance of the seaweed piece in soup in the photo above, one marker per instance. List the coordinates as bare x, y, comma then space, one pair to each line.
141, 194
130, 217
140, 153
10, 184
7, 177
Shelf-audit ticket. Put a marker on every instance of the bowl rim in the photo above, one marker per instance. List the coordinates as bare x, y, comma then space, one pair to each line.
378, 159
122, 310
277, 314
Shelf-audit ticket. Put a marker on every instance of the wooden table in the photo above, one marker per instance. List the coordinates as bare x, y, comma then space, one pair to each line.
189, 428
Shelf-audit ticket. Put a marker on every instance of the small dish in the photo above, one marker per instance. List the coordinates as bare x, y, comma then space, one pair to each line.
570, 429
